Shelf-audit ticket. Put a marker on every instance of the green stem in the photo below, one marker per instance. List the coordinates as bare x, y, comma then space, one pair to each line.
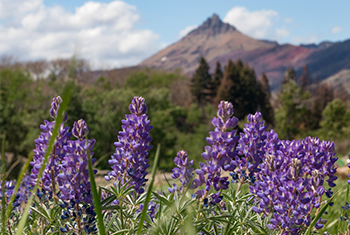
200, 204
239, 187
121, 214
78, 218
282, 231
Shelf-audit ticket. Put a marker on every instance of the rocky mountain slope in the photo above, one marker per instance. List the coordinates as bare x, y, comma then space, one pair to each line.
216, 40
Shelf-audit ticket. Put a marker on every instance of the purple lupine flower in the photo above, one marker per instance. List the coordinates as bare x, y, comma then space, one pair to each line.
74, 182
22, 195
184, 171
55, 105
9, 189
152, 210
52, 168
129, 161
291, 181
220, 155
251, 148
80, 129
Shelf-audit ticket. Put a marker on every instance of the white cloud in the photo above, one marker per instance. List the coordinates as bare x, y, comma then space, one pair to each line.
304, 40
256, 24
282, 33
288, 20
186, 30
336, 29
103, 32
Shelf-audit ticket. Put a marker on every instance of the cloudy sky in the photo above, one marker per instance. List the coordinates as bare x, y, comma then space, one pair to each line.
122, 33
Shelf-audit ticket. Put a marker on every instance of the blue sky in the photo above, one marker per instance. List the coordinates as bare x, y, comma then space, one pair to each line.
114, 33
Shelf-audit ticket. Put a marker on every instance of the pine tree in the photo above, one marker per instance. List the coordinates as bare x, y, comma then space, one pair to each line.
201, 83
292, 111
264, 81
265, 96
289, 75
305, 79
217, 77
240, 86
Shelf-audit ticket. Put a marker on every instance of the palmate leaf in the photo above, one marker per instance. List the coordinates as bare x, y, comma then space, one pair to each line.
163, 199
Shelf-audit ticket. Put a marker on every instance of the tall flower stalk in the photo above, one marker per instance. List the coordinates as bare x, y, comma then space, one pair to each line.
129, 162
220, 154
52, 169
74, 182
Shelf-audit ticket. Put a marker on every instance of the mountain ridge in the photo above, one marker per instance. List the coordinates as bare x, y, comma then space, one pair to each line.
219, 41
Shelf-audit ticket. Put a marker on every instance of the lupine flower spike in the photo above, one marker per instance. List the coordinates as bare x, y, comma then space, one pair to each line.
74, 183
53, 166
184, 171
220, 155
129, 162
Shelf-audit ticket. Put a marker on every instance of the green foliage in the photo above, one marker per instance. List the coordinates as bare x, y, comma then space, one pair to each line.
15, 95
217, 77
104, 112
336, 118
292, 111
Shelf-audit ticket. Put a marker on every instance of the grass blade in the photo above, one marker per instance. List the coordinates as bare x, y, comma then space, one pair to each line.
18, 183
320, 213
3, 168
63, 106
96, 197
149, 192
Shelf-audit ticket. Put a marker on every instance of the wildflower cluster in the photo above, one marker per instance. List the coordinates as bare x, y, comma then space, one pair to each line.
287, 179
290, 183
52, 168
184, 171
66, 175
220, 155
251, 149
129, 162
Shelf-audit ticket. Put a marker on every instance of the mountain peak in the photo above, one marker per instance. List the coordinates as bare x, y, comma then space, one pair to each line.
213, 26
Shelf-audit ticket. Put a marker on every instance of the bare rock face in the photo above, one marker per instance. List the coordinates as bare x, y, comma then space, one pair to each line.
212, 27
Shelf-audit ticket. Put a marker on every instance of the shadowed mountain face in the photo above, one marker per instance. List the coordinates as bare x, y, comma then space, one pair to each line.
216, 40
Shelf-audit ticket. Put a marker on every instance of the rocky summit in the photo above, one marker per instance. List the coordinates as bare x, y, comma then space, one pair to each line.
219, 41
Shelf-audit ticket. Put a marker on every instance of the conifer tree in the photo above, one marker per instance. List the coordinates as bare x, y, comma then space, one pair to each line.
289, 75
292, 112
265, 96
305, 80
240, 86
217, 77
201, 83
265, 84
